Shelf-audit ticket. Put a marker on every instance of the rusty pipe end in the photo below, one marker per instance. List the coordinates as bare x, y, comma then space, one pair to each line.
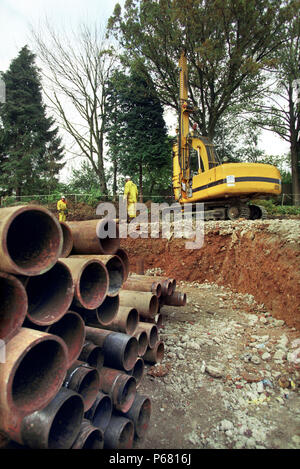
92, 354
50, 295
85, 380
142, 339
71, 329
13, 305
101, 411
55, 426
120, 350
67, 240
89, 437
38, 249
138, 370
119, 434
140, 414
108, 310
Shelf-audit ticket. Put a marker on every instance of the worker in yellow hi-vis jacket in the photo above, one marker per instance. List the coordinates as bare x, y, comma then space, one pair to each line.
131, 195
62, 208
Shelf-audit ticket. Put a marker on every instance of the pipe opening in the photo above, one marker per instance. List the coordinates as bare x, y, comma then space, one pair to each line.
95, 358
49, 295
105, 231
66, 423
153, 305
160, 352
143, 418
122, 254
127, 394
35, 374
142, 343
89, 387
126, 435
108, 309
102, 413
132, 321
33, 241
130, 353
116, 275
13, 304
138, 370
71, 329
94, 440
153, 336
67, 240
93, 285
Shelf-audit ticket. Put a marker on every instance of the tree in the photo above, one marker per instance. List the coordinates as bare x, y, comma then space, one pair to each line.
31, 150
136, 130
281, 111
76, 69
227, 43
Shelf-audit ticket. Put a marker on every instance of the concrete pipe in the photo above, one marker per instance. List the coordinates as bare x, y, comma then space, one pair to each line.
71, 329
85, 380
126, 320
115, 269
119, 434
13, 305
156, 354
143, 285
120, 386
176, 299
92, 354
151, 331
138, 370
142, 338
120, 350
30, 240
91, 236
55, 426
34, 369
146, 303
90, 278
89, 437
50, 295
100, 412
67, 240
123, 255
140, 414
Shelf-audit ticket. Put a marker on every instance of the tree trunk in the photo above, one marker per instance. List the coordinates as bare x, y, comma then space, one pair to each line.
295, 159
141, 182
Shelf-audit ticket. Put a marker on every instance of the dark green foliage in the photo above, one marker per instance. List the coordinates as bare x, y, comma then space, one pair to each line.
136, 130
30, 147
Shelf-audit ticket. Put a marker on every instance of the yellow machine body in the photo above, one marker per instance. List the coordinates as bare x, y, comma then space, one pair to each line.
198, 175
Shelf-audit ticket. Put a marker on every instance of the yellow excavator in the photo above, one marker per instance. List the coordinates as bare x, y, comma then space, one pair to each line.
199, 177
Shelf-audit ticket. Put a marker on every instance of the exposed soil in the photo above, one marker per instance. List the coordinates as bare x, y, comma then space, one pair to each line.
230, 377
257, 257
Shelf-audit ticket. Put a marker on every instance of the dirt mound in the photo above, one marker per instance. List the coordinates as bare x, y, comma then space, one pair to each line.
261, 258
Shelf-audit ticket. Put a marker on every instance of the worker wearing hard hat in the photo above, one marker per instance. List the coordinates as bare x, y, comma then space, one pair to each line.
62, 208
130, 194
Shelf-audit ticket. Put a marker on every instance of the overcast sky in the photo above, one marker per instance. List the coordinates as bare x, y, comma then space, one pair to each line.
17, 16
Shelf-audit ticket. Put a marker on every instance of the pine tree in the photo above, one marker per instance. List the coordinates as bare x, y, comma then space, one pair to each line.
31, 150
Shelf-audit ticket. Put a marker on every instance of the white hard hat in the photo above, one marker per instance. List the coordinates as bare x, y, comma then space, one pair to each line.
63, 197
127, 177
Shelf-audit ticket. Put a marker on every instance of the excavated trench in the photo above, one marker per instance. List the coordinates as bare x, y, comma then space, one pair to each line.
261, 258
